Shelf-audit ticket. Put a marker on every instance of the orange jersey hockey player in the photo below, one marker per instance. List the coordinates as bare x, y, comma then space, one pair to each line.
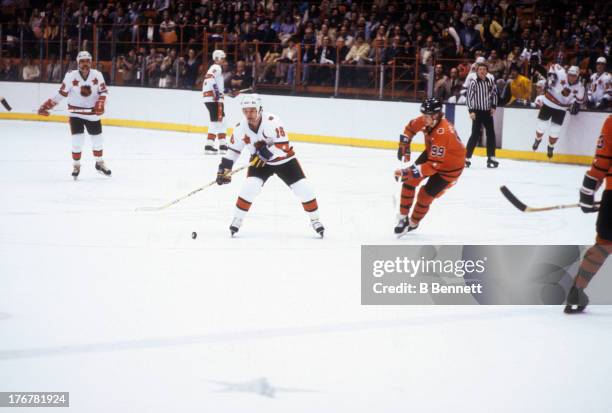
594, 258
440, 164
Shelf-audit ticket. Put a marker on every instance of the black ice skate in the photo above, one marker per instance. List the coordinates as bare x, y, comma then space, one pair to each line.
577, 301
404, 226
536, 143
101, 167
210, 150
318, 227
235, 226
492, 163
549, 151
76, 170
222, 149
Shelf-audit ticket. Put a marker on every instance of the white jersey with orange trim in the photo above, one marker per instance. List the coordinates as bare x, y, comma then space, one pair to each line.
559, 94
538, 102
270, 132
82, 93
213, 87
600, 87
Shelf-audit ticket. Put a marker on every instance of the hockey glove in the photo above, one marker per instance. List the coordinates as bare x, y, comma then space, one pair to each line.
411, 172
262, 155
216, 92
99, 106
223, 173
587, 194
403, 152
575, 108
46, 107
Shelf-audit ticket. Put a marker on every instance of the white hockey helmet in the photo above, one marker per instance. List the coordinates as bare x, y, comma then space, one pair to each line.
218, 55
251, 101
573, 70
602, 59
83, 55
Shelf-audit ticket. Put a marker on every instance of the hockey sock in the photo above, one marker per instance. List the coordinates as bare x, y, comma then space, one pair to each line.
591, 263
221, 137
210, 139
552, 140
407, 198
306, 195
76, 158
97, 145
421, 208
249, 191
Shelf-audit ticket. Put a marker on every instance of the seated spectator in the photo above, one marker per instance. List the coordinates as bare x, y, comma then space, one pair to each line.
30, 71
8, 71
341, 50
241, 78
167, 29
269, 63
457, 97
391, 52
53, 71
308, 58
325, 57
497, 67
470, 37
359, 52
285, 62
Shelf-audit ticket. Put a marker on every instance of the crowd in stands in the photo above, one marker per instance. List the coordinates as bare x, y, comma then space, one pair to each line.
163, 43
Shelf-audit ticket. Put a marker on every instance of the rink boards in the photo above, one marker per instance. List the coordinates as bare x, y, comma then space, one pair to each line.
361, 123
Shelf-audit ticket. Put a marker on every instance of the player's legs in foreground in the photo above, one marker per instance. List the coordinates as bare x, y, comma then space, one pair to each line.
594, 258
592, 261
434, 188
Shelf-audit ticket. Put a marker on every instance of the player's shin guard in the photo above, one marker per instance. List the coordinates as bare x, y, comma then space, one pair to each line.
421, 208
407, 198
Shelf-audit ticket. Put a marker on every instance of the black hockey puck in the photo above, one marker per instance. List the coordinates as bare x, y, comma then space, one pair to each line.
194, 235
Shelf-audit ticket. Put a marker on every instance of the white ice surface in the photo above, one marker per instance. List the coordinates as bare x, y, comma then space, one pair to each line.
129, 314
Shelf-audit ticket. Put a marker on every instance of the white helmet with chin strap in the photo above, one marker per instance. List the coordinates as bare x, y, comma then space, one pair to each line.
252, 101
218, 55
83, 55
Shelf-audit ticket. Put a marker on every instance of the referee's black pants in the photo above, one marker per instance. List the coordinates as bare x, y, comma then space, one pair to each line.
483, 118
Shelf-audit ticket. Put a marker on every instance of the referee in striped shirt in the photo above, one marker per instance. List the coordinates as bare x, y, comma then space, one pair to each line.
481, 102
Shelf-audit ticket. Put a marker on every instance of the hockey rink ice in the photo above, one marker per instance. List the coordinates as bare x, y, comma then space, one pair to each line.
128, 313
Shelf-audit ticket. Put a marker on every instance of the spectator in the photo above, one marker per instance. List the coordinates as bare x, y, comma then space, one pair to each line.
241, 78
497, 67
190, 69
518, 86
441, 85
457, 97
308, 58
359, 52
341, 50
53, 71
167, 29
269, 63
326, 58
390, 53
30, 71
470, 37
8, 71
284, 72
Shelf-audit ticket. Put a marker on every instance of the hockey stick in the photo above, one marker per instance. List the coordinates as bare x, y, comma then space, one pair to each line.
69, 111
5, 104
195, 191
524, 208
235, 94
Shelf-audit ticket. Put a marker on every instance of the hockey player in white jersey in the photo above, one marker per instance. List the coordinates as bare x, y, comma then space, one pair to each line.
86, 92
600, 87
263, 135
213, 90
563, 92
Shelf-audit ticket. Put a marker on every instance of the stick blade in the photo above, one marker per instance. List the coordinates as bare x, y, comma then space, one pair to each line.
513, 199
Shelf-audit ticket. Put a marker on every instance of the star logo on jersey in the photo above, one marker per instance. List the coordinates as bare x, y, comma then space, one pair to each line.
95, 81
565, 92
75, 82
246, 139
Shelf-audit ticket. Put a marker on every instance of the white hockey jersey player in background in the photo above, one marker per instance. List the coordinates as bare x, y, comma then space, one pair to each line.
563, 91
263, 135
86, 92
600, 87
213, 90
